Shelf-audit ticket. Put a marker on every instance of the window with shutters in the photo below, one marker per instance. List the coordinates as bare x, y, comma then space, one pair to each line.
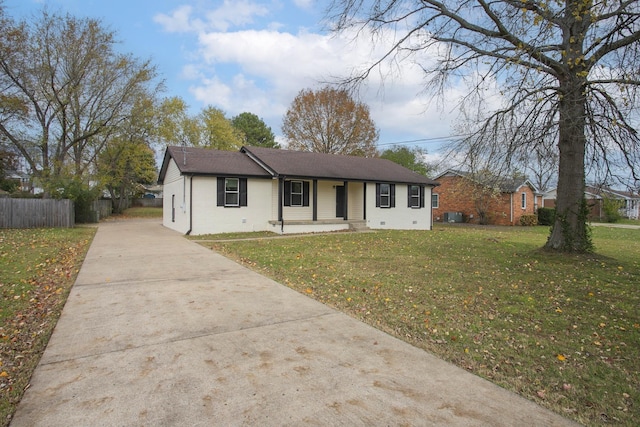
414, 196
385, 195
232, 192
296, 193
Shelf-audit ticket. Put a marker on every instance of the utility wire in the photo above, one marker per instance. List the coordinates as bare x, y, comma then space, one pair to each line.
432, 140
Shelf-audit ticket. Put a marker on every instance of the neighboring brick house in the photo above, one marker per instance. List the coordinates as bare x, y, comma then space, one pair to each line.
460, 198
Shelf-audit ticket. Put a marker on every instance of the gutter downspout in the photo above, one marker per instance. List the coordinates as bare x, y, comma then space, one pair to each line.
190, 206
511, 207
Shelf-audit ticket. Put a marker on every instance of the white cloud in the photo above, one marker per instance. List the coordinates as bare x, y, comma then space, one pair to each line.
232, 13
262, 70
304, 4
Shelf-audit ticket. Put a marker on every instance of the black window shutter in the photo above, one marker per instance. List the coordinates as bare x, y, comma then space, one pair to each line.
393, 195
243, 191
220, 191
287, 193
305, 193
409, 195
422, 196
377, 194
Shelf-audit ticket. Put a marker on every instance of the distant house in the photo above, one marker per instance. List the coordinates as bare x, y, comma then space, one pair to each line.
264, 189
462, 197
596, 196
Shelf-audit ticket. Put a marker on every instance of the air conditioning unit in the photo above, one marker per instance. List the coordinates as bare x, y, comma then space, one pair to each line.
453, 217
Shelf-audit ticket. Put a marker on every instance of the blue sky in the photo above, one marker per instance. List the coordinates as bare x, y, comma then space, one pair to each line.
256, 55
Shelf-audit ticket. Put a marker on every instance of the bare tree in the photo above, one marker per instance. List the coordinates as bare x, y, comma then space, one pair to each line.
330, 121
568, 71
65, 90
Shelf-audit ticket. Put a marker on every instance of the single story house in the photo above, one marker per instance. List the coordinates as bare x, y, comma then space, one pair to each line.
595, 197
264, 189
462, 197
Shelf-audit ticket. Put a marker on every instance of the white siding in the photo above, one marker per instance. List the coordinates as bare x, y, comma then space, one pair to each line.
174, 193
327, 199
401, 217
355, 201
208, 218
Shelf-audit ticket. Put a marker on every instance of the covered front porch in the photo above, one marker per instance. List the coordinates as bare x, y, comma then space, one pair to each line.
308, 206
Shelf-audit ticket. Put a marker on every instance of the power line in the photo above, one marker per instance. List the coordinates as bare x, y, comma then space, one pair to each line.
435, 139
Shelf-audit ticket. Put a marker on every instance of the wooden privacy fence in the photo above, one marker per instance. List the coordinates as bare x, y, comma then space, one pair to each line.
33, 213
102, 208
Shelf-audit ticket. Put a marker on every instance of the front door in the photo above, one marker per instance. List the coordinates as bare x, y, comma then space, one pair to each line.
340, 201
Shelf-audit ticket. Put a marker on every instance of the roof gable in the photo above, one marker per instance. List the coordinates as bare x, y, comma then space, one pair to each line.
204, 161
504, 184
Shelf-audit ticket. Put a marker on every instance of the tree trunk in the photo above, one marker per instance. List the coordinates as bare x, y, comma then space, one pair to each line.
570, 232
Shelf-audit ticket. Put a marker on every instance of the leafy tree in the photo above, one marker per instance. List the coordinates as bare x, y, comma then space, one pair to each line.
127, 161
330, 121
410, 158
175, 126
209, 128
217, 131
65, 89
124, 165
7, 163
255, 130
567, 70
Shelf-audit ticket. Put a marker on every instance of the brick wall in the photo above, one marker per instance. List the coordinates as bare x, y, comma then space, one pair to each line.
457, 194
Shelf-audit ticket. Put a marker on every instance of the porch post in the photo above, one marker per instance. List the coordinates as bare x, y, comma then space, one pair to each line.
364, 207
346, 200
280, 198
315, 199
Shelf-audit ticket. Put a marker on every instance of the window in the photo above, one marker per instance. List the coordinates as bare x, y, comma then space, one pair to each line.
296, 193
232, 192
385, 195
416, 196
435, 201
524, 200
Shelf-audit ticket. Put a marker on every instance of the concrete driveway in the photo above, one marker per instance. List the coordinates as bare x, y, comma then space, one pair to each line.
159, 331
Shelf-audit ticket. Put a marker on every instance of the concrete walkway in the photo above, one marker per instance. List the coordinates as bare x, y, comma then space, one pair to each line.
160, 331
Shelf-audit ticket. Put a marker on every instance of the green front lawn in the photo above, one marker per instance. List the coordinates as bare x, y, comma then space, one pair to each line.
561, 330
37, 269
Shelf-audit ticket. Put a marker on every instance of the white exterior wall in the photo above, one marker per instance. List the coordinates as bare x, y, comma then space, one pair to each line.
355, 201
327, 199
208, 218
174, 192
400, 217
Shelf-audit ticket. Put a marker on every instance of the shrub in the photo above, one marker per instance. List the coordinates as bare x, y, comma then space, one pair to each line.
81, 193
546, 216
528, 220
611, 208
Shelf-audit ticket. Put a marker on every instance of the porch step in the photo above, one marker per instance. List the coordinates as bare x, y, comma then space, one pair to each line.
358, 226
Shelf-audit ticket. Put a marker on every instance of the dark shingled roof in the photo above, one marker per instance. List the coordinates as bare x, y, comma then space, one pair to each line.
304, 164
204, 161
270, 162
